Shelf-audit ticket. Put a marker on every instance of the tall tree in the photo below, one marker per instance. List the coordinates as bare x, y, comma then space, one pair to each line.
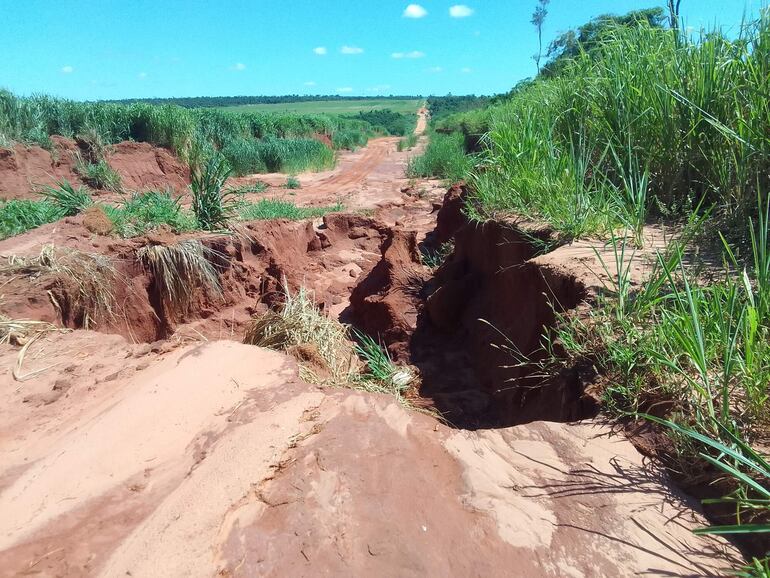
538, 17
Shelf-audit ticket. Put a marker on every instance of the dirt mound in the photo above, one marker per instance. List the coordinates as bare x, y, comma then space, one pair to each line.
385, 303
142, 166
257, 473
23, 169
97, 221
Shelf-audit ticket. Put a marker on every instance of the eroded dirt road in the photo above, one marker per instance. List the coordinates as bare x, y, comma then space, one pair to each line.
187, 453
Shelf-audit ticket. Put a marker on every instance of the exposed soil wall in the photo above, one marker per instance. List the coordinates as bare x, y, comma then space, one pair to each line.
252, 266
141, 166
23, 168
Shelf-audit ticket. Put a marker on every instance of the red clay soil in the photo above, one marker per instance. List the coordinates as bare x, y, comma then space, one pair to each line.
385, 303
141, 166
24, 169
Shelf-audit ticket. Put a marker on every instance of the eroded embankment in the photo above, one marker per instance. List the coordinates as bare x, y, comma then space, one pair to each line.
477, 329
150, 298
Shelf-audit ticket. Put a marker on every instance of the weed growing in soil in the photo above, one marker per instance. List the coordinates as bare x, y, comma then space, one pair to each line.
69, 200
292, 183
179, 270
213, 206
434, 258
381, 374
99, 175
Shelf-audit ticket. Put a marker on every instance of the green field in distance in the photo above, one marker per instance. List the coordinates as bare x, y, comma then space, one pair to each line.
347, 106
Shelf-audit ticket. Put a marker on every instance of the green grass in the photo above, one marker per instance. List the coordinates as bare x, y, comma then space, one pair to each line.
69, 200
271, 155
254, 141
407, 143
145, 212
292, 183
18, 216
333, 107
644, 126
99, 175
444, 158
267, 209
212, 204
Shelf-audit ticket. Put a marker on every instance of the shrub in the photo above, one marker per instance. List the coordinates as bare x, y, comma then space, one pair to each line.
292, 183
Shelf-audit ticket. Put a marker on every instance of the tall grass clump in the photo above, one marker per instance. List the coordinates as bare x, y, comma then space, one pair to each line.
298, 326
444, 158
691, 353
277, 155
144, 212
647, 123
69, 200
324, 347
99, 175
18, 216
212, 204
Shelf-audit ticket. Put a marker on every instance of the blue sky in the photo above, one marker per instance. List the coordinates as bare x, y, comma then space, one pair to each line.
102, 49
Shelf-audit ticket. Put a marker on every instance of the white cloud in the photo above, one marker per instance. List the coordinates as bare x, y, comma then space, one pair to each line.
412, 54
436, 69
320, 50
415, 11
351, 50
310, 83
141, 75
67, 69
345, 89
239, 66
378, 88
460, 11
466, 70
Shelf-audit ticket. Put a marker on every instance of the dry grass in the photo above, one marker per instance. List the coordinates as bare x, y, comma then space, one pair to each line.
300, 323
93, 277
179, 270
21, 331
300, 329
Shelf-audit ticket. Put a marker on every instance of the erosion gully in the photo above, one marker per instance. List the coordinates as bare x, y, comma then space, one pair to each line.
288, 480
